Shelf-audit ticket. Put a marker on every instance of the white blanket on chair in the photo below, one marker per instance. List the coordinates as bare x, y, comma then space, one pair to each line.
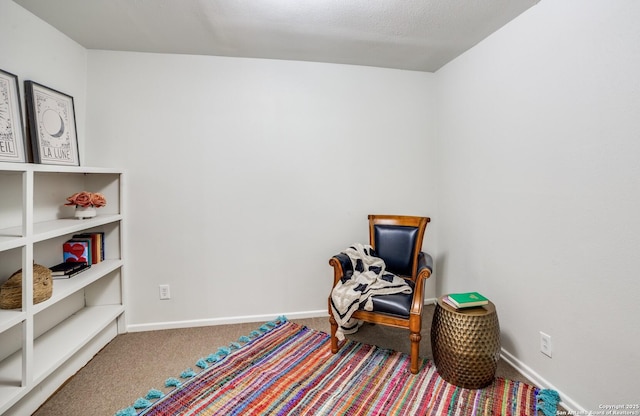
352, 293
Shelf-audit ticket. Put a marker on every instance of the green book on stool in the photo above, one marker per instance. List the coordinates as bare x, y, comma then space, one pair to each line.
467, 300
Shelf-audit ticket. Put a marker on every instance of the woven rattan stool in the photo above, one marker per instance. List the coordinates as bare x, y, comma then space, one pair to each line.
466, 344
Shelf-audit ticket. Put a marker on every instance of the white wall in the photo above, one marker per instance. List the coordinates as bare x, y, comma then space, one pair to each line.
246, 175
539, 138
34, 50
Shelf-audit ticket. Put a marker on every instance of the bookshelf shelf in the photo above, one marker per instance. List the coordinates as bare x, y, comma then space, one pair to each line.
43, 344
9, 241
50, 229
57, 345
66, 287
10, 318
52, 349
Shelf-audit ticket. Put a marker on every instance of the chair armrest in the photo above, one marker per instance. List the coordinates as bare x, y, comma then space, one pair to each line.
341, 267
425, 266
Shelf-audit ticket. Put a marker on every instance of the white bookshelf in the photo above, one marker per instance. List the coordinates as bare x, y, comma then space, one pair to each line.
40, 344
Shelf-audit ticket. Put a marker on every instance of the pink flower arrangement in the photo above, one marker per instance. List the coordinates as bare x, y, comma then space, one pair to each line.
87, 199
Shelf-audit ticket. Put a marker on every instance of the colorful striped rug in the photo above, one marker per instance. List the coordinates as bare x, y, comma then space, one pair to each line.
288, 369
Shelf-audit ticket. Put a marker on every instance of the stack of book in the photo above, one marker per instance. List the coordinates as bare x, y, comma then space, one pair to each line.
465, 300
84, 248
78, 254
68, 269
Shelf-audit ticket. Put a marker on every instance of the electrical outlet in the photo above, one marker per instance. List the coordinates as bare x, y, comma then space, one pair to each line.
545, 344
164, 292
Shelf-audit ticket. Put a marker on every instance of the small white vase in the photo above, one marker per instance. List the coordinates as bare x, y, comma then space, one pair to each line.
85, 212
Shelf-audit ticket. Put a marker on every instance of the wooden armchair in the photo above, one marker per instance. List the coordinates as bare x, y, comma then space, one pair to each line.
398, 241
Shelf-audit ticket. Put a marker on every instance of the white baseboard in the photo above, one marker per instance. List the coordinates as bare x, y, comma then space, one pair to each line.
224, 321
155, 326
565, 401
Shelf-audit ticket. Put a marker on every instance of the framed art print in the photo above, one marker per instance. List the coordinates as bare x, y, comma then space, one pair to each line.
52, 125
13, 147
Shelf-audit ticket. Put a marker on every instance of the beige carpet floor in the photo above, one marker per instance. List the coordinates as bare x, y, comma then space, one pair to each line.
133, 363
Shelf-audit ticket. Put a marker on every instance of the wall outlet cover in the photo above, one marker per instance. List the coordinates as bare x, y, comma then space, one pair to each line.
545, 344
165, 293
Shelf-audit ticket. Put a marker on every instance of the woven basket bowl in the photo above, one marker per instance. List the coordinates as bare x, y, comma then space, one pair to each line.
11, 290
466, 345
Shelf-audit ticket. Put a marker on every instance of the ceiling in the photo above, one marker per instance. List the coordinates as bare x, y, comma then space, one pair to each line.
419, 35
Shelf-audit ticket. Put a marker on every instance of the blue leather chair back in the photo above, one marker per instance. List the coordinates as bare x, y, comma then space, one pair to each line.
397, 239
396, 246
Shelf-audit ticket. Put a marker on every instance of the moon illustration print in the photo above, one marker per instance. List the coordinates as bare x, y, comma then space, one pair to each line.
52, 125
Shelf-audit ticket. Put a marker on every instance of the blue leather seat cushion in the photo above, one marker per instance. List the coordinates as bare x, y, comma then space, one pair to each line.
398, 304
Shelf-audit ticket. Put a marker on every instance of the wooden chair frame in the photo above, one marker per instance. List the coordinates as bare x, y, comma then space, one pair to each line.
421, 270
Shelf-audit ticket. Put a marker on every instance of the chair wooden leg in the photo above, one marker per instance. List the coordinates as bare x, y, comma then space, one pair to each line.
334, 339
415, 338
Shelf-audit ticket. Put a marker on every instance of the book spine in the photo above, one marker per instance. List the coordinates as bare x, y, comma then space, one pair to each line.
66, 267
450, 302
101, 245
80, 270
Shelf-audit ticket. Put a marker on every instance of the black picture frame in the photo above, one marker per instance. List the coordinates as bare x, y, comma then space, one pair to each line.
13, 146
52, 125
